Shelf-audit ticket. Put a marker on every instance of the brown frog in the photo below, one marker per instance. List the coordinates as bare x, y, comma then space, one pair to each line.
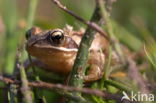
56, 50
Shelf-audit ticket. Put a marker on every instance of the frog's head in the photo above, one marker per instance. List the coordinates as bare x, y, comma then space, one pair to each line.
51, 46
52, 39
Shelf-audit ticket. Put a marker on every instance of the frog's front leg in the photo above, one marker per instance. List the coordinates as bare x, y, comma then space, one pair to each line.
33, 62
96, 61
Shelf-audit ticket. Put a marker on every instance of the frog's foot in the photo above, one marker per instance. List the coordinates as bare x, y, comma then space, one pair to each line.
96, 62
33, 62
94, 74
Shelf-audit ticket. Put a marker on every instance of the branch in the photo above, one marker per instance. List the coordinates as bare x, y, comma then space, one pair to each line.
79, 67
63, 88
88, 23
135, 75
114, 40
27, 96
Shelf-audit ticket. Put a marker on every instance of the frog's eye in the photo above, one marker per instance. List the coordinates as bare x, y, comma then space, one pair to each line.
32, 31
56, 36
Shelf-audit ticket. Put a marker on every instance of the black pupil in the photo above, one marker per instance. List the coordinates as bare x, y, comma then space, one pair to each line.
57, 37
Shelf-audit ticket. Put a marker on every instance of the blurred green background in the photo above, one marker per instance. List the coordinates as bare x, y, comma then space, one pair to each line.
138, 18
134, 24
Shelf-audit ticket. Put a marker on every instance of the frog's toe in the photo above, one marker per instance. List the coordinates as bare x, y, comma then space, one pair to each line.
93, 74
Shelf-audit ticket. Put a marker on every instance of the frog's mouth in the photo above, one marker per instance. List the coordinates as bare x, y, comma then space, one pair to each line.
47, 51
56, 48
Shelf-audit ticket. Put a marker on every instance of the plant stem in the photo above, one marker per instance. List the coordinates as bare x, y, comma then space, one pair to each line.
107, 20
31, 13
25, 88
118, 85
79, 68
107, 68
9, 18
13, 94
30, 20
76, 78
108, 65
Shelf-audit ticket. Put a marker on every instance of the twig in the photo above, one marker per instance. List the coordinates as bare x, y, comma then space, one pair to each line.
88, 23
72, 89
135, 75
4, 94
109, 4
12, 94
60, 87
79, 68
25, 88
114, 40
27, 96
42, 85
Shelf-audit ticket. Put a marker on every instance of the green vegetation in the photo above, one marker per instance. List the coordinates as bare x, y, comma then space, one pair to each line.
131, 25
